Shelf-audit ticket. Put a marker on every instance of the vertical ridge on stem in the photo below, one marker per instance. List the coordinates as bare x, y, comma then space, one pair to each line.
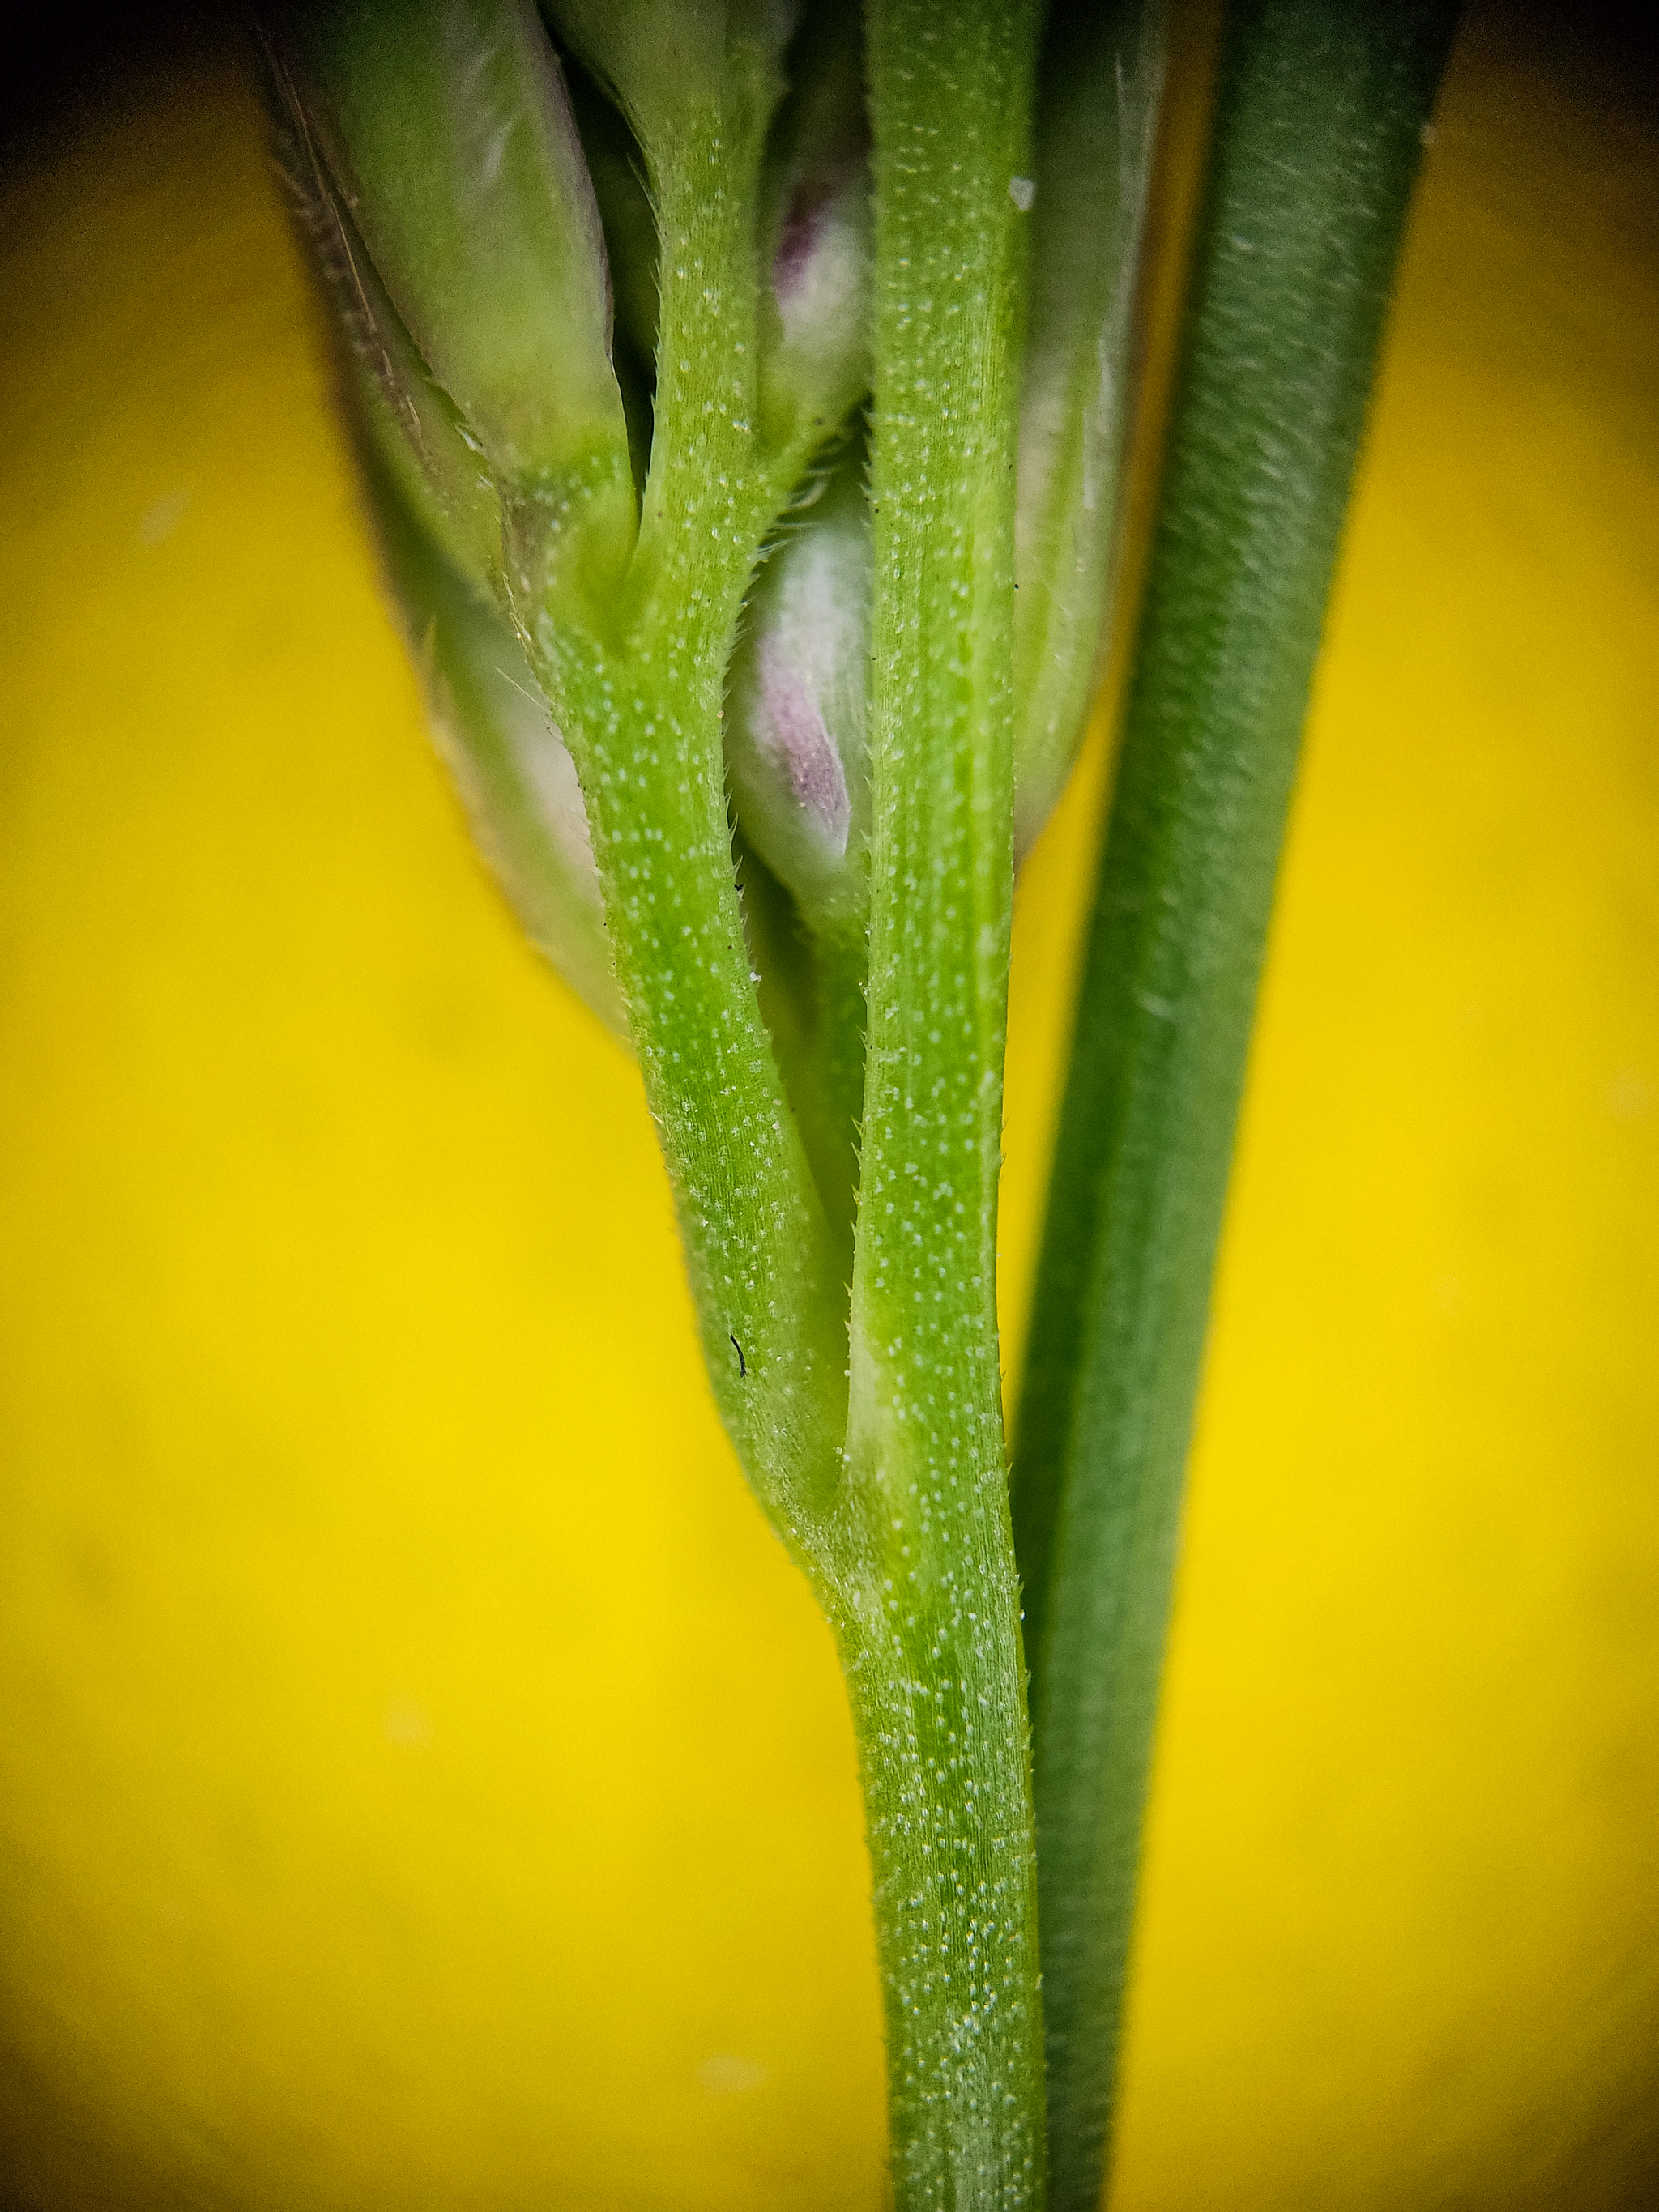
928, 1607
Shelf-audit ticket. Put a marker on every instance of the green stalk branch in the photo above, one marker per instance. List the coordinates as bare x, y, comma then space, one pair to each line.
642, 707
925, 1603
1322, 109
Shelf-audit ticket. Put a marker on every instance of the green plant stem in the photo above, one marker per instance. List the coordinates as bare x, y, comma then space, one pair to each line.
895, 1498
1321, 110
925, 1599
642, 703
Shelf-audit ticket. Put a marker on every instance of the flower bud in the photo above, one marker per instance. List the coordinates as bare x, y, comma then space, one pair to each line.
796, 743
448, 146
411, 424
817, 242
510, 763
1102, 71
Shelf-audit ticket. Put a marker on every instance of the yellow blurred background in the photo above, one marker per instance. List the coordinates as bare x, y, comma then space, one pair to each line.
423, 1781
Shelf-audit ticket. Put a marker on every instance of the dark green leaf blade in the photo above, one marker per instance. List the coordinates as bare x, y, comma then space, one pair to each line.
1322, 105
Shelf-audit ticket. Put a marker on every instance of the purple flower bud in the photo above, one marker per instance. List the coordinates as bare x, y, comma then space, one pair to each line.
796, 728
789, 727
815, 364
